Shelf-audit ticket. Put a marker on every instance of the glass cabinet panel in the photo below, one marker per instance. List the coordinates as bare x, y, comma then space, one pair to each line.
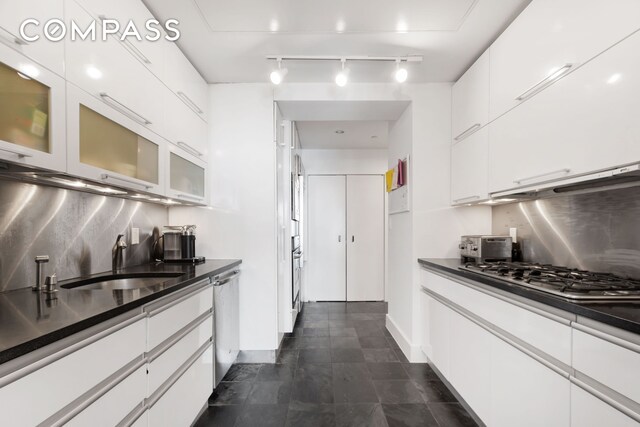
185, 176
107, 145
24, 110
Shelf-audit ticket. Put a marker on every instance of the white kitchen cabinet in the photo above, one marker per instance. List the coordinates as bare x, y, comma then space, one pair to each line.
169, 361
469, 168
584, 123
470, 100
552, 38
184, 128
150, 53
613, 362
47, 53
436, 332
166, 319
524, 392
50, 386
185, 81
32, 113
107, 146
111, 74
471, 376
182, 402
588, 410
186, 177
116, 404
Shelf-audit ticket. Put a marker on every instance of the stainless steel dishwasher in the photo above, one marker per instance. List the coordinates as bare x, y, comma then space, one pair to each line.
226, 322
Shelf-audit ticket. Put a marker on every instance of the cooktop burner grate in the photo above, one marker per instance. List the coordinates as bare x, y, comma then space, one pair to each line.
569, 283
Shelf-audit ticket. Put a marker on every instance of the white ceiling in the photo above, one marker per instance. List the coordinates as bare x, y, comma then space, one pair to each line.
228, 40
357, 134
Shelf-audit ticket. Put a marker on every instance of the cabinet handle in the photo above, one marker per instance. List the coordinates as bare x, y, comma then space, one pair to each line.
20, 154
190, 149
605, 398
339, 239
186, 196
124, 109
470, 198
107, 177
353, 239
542, 175
189, 102
12, 38
467, 132
227, 279
544, 82
128, 45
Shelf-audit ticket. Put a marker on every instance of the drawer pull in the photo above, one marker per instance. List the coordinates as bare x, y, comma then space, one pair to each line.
226, 279
188, 197
544, 82
464, 199
564, 171
12, 38
190, 103
124, 109
107, 177
467, 132
190, 149
128, 45
20, 154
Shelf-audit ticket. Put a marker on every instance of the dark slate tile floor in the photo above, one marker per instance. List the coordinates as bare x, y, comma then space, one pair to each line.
340, 367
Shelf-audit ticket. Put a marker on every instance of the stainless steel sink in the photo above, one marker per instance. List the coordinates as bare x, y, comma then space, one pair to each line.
121, 281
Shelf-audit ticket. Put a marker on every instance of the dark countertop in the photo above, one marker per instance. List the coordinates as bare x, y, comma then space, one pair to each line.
28, 321
623, 315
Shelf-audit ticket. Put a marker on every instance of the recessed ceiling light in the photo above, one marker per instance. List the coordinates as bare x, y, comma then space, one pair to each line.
94, 72
339, 131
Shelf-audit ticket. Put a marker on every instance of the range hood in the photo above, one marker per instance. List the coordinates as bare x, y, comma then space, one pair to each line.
610, 179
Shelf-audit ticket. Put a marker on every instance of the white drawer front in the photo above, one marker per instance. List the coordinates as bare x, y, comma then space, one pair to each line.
180, 405
612, 365
59, 383
552, 337
589, 411
169, 321
167, 363
116, 404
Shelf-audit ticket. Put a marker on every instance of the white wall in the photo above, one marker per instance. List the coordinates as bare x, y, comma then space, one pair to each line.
347, 162
242, 220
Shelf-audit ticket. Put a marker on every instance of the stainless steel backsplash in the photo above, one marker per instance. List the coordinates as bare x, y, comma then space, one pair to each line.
597, 231
77, 230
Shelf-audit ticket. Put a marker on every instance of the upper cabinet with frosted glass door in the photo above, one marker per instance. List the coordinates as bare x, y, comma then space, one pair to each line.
32, 113
186, 177
551, 39
107, 146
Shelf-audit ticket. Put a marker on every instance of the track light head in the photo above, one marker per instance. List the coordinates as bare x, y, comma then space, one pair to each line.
342, 78
277, 76
401, 73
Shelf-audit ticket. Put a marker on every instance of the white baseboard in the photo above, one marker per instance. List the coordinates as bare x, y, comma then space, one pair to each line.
412, 352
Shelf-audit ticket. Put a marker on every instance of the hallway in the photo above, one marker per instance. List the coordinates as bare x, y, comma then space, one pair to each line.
340, 367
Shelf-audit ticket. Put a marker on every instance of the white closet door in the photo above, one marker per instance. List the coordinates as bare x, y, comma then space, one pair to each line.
326, 280
365, 238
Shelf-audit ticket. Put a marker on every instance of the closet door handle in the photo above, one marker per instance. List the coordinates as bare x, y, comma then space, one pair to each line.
339, 239
353, 239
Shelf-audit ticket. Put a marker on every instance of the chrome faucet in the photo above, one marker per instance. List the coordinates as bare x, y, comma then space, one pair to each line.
117, 253
40, 259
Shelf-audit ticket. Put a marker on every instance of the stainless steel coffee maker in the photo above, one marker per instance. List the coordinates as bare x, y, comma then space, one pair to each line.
179, 244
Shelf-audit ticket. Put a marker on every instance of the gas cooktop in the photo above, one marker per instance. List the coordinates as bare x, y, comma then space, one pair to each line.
572, 284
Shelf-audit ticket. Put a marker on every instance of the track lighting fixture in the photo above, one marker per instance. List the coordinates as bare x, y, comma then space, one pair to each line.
401, 73
277, 76
342, 78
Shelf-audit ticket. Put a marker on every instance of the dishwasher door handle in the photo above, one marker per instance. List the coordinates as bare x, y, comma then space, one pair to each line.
226, 279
